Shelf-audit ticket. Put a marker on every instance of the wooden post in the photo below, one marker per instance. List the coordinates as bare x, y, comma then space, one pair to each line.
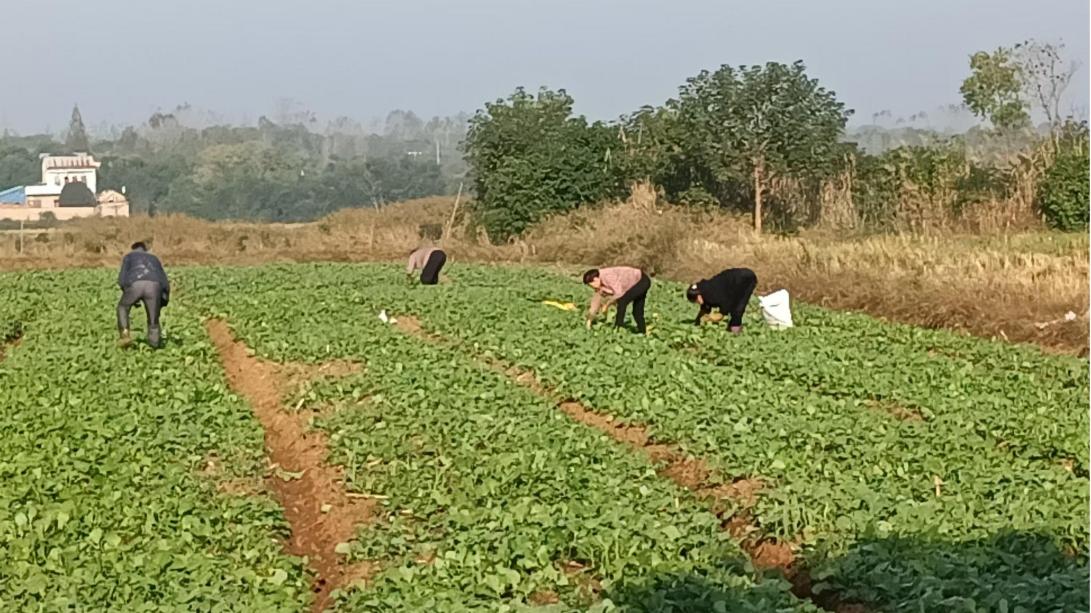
20, 236
454, 212
758, 187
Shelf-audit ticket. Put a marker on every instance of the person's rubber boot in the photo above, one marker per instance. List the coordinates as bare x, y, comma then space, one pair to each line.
736, 329
124, 340
154, 337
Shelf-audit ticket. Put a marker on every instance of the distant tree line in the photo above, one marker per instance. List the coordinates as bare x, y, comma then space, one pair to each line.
769, 140
287, 171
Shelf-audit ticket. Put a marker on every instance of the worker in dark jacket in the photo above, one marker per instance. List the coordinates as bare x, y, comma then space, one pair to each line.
141, 279
729, 291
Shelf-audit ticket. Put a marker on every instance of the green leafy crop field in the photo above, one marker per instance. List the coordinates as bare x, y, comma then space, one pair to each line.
897, 469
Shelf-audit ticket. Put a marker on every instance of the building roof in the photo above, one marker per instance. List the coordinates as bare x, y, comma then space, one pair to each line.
76, 194
43, 189
110, 196
14, 195
68, 162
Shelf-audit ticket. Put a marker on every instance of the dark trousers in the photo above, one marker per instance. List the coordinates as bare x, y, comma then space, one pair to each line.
430, 274
746, 290
150, 294
635, 296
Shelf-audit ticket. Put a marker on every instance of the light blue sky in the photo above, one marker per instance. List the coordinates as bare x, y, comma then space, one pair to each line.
123, 59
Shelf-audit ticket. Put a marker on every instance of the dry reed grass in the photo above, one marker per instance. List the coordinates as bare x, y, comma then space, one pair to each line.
1000, 286
995, 285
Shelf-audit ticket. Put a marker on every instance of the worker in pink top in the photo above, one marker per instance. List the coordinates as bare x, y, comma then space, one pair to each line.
429, 261
620, 284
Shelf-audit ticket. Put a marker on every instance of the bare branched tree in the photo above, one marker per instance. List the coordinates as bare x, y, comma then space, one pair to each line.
1045, 75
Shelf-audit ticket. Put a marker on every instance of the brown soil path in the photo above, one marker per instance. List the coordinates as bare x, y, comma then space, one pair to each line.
729, 500
310, 490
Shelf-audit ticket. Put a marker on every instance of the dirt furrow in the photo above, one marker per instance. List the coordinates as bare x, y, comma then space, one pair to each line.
310, 490
687, 471
730, 500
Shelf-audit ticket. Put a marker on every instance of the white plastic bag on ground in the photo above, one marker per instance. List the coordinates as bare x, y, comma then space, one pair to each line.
776, 310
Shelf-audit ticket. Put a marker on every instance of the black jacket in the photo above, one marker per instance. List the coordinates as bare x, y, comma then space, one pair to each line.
726, 291
142, 266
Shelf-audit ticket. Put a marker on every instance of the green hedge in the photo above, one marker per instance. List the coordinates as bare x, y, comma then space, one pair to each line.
1063, 194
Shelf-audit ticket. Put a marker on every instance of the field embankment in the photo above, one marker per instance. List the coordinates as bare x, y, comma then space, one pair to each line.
1017, 287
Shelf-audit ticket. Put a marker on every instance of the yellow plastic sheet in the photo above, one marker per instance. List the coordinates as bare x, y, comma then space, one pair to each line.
564, 306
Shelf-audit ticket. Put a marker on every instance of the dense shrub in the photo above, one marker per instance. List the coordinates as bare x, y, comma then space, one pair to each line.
1063, 193
531, 158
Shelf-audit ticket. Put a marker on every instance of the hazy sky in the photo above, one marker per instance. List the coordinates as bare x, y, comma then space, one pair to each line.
123, 59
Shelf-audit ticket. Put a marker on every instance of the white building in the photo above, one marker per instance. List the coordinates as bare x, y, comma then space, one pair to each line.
60, 169
67, 191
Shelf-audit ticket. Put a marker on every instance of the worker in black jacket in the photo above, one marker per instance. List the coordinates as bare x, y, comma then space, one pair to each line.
729, 291
141, 279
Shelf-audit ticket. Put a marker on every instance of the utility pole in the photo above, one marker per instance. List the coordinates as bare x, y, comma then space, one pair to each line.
454, 213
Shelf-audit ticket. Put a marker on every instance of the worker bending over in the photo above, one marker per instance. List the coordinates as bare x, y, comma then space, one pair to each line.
728, 291
429, 260
623, 285
141, 279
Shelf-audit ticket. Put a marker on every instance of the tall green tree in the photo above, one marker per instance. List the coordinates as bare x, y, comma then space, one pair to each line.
404, 178
145, 180
240, 181
651, 142
754, 123
18, 167
530, 157
994, 89
76, 137
656, 150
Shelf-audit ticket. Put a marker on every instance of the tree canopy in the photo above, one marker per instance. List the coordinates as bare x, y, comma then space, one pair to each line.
182, 163
757, 122
76, 137
531, 157
729, 132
